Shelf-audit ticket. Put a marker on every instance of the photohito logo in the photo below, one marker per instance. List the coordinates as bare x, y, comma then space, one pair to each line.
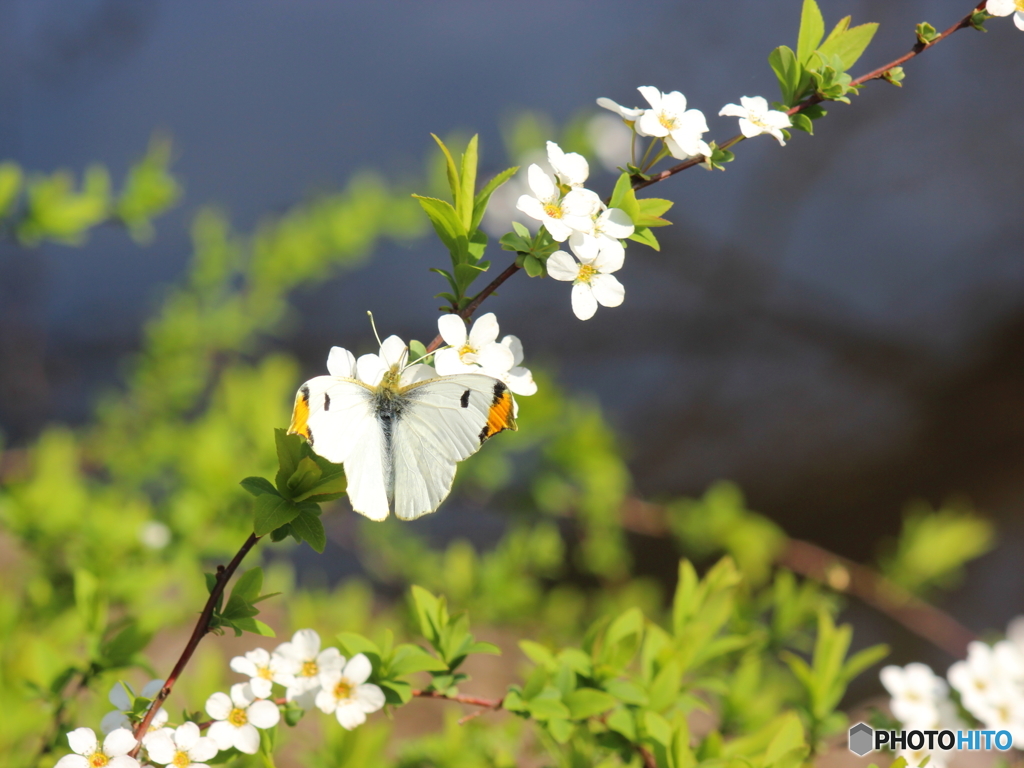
864, 739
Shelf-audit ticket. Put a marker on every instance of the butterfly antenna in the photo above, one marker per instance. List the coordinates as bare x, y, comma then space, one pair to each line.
374, 326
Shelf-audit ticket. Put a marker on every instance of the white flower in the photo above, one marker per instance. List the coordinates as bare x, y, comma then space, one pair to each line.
626, 113
668, 118
1005, 8
592, 280
977, 679
262, 668
756, 118
611, 226
916, 692
238, 717
370, 369
302, 661
518, 379
123, 697
571, 168
1015, 632
89, 754
346, 693
469, 354
155, 534
183, 747
561, 216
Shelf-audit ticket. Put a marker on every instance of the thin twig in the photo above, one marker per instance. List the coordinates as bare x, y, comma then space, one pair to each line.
224, 575
841, 575
475, 701
470, 308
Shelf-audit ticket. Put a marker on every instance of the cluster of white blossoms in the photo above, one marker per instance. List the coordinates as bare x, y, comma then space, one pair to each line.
475, 351
990, 682
309, 676
595, 232
1005, 8
682, 129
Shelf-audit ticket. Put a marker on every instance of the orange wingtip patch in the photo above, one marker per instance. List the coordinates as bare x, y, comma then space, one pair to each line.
499, 417
300, 415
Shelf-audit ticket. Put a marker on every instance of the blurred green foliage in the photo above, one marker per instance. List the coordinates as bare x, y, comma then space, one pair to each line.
107, 531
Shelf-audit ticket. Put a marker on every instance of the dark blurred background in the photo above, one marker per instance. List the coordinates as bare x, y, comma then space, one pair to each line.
837, 325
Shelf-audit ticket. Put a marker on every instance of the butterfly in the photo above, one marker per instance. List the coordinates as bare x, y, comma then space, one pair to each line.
398, 429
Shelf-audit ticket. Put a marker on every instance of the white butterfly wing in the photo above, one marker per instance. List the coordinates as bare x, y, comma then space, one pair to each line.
337, 416
443, 421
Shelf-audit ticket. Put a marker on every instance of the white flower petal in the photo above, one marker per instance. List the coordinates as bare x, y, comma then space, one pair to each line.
325, 701
732, 110
652, 94
417, 372
520, 381
562, 266
152, 688
160, 747
358, 669
264, 714
616, 223
570, 167
1001, 7
452, 329
72, 761
204, 749
244, 666
219, 706
186, 735
757, 104
119, 742
392, 352
692, 121
515, 346
223, 734
370, 369
350, 716
650, 123
558, 229
242, 695
123, 761
247, 739
1018, 20
531, 206
541, 183
369, 697
586, 247
449, 363
119, 697
341, 363
83, 741
610, 258
330, 658
261, 687
626, 113
607, 290
497, 360
673, 103
748, 128
484, 331
584, 305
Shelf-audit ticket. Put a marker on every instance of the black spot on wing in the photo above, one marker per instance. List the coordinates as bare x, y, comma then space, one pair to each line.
327, 402
499, 390
465, 399
309, 435
304, 389
483, 435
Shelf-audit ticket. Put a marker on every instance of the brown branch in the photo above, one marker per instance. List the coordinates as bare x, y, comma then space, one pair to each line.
470, 308
224, 575
876, 74
841, 575
474, 701
646, 756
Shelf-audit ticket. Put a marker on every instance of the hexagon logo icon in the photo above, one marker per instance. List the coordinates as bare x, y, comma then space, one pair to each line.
861, 739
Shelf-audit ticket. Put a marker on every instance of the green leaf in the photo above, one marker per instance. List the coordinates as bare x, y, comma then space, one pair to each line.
925, 33
411, 658
651, 210
257, 486
626, 692
841, 27
417, 350
645, 236
849, 45
396, 691
588, 702
484, 197
353, 643
428, 612
271, 512
802, 122
812, 30
788, 71
538, 654
255, 626
864, 659
249, 584
120, 650
560, 730
464, 202
544, 708
308, 527
305, 476
448, 227
489, 649
532, 265
521, 230
657, 727
623, 185
621, 721
289, 454
451, 169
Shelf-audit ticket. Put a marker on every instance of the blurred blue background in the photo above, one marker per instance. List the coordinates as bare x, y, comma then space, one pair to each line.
837, 325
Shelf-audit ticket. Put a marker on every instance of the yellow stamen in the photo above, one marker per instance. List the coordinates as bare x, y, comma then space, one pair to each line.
264, 672
181, 760
553, 210
309, 669
668, 122
343, 690
1020, 5
465, 349
238, 718
757, 121
586, 274
98, 760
